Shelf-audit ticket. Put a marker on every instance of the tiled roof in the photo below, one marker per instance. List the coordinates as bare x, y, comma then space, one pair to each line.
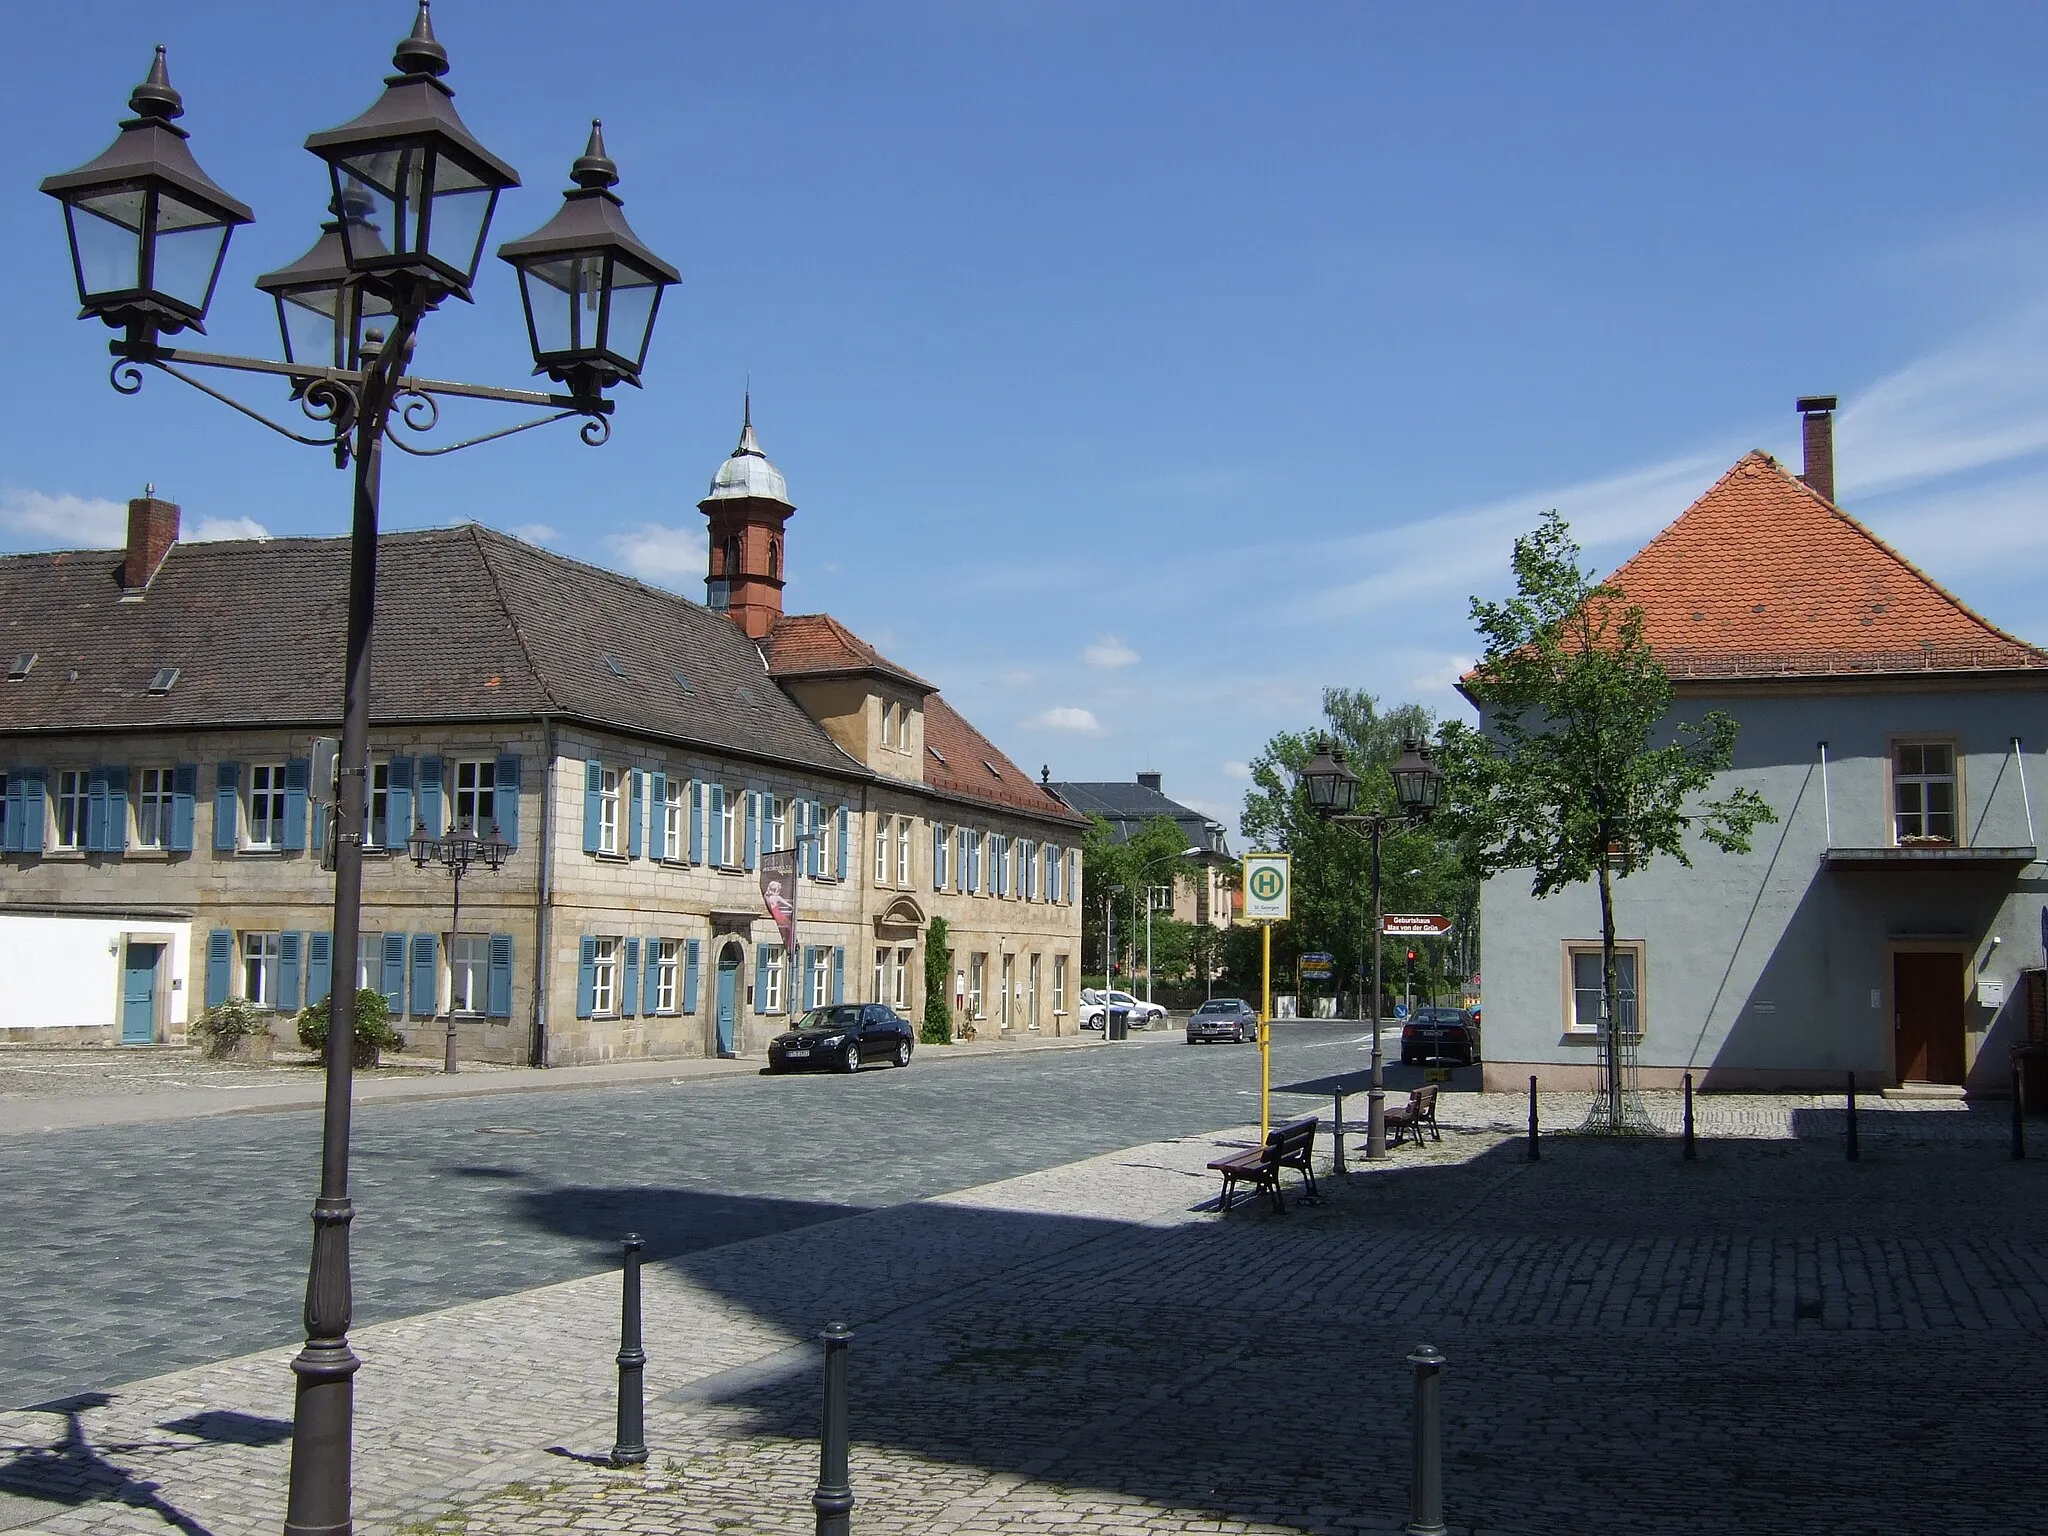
959, 760
814, 644
472, 625
1762, 577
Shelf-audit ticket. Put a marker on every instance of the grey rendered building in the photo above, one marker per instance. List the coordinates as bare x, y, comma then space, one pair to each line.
1884, 924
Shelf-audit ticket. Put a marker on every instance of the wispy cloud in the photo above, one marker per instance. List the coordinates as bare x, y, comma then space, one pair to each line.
211, 530
534, 533
1236, 770
37, 519
668, 557
1067, 717
1109, 652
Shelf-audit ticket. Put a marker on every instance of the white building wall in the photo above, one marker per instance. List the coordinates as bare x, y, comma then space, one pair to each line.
62, 976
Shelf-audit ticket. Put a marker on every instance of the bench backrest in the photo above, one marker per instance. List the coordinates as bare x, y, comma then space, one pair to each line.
1287, 1140
1423, 1100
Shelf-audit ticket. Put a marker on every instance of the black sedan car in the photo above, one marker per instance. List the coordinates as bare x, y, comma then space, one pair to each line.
1223, 1018
1435, 1035
843, 1038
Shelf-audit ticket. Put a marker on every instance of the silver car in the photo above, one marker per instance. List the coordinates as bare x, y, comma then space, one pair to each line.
1223, 1018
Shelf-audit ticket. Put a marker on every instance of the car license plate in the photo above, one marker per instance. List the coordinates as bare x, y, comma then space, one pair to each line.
797, 1055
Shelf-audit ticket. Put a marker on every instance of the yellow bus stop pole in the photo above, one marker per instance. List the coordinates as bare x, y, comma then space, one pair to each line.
1265, 1030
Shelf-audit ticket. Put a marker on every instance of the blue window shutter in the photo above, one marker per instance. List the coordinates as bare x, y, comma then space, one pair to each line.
319, 967
629, 994
753, 833
838, 974
657, 816
650, 986
296, 771
760, 976
498, 988
593, 790
290, 952
696, 822
14, 811
430, 796
426, 992
227, 800
691, 951
800, 824
586, 978
184, 790
845, 819
399, 817
393, 968
505, 803
220, 960
636, 803
716, 811
95, 839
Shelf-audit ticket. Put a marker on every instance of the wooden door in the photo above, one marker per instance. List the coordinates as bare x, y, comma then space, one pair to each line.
1927, 994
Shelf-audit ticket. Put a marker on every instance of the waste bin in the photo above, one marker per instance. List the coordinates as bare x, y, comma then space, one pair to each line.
2031, 1062
1119, 1023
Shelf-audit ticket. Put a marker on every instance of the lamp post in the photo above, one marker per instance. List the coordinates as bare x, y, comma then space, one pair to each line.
1332, 793
412, 192
456, 851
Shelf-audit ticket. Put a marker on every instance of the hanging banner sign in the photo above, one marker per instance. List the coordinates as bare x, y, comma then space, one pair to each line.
1415, 925
778, 894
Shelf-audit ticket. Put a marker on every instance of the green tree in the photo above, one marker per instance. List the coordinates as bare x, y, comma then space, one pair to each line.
1151, 856
937, 1026
1580, 773
1422, 868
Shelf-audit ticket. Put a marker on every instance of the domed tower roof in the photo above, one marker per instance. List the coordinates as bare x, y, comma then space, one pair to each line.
748, 475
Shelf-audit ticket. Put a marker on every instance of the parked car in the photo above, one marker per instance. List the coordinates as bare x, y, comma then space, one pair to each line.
843, 1038
1142, 1013
1223, 1018
1435, 1035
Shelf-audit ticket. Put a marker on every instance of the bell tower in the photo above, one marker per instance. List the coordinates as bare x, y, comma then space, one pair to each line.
747, 509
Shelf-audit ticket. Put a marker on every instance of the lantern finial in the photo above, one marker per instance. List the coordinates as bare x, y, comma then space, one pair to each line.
420, 53
595, 171
155, 98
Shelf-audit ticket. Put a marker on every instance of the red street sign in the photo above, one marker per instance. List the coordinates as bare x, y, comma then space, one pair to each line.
1414, 925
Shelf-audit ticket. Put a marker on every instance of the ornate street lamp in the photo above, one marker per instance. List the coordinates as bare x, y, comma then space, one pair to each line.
148, 227
412, 192
590, 287
1332, 790
456, 851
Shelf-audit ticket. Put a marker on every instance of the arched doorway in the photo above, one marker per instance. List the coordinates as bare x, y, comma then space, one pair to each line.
726, 1015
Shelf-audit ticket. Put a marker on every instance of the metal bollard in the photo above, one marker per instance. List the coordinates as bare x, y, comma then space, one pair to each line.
1691, 1152
1535, 1147
1854, 1153
1337, 1133
1426, 1484
632, 1447
2019, 1116
834, 1499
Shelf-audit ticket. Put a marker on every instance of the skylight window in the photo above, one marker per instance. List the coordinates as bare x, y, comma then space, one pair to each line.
935, 752
612, 664
683, 683
992, 768
165, 680
21, 665
745, 694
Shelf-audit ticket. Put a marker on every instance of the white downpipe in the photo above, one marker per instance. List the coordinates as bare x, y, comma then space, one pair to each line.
2027, 800
1827, 809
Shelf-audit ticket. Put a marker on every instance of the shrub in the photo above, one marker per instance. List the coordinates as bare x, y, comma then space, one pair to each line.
226, 1022
373, 1024
937, 1027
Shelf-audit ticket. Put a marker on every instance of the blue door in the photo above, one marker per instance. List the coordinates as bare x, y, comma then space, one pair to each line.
138, 994
728, 998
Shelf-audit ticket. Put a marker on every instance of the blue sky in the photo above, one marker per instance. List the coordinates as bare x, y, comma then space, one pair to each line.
1138, 369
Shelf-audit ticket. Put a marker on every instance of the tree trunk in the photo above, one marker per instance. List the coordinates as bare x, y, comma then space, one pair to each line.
1610, 1015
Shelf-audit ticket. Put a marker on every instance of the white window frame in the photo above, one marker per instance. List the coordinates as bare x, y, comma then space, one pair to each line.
604, 978
73, 802
881, 975
1922, 783
1584, 1027
1032, 973
469, 973
674, 823
667, 967
379, 806
260, 966
881, 849
778, 808
771, 1002
942, 855
155, 792
609, 821
903, 852
266, 806
820, 979
899, 991
733, 823
1059, 985
977, 976
370, 962
888, 723
480, 794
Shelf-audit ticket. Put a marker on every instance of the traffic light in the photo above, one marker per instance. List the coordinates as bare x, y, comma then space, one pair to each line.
1411, 957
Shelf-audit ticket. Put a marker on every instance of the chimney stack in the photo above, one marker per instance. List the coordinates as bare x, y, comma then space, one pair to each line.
1817, 418
1149, 781
152, 530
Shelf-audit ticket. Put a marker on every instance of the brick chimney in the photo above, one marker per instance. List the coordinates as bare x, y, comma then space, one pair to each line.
152, 530
1149, 781
1817, 418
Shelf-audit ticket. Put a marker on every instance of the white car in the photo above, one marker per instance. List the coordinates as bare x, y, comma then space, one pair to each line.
1143, 1014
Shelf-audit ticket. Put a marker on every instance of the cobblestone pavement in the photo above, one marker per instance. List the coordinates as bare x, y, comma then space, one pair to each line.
1770, 1337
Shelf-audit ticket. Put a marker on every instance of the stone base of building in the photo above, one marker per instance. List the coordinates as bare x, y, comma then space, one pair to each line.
1584, 1077
72, 1035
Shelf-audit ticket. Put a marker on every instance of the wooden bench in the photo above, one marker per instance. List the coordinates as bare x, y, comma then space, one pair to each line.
1288, 1146
1418, 1115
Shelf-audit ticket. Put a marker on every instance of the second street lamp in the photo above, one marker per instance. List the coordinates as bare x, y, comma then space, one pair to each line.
1332, 793
412, 193
456, 851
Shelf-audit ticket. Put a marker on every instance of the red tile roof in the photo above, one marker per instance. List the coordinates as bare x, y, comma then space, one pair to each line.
959, 760
1762, 577
809, 644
